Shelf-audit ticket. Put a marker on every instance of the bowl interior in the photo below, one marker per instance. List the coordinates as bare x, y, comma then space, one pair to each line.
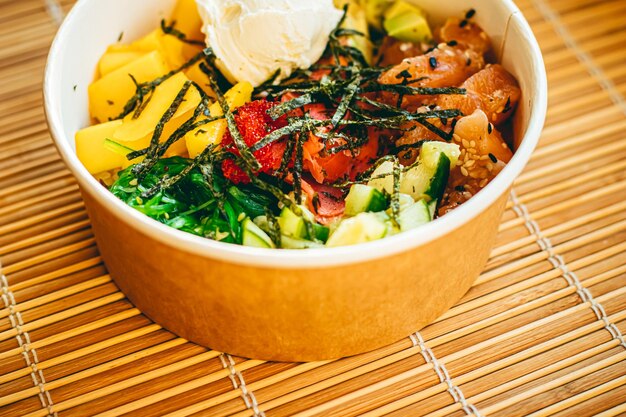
92, 25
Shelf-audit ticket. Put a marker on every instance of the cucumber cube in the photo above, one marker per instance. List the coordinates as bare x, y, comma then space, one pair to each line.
363, 198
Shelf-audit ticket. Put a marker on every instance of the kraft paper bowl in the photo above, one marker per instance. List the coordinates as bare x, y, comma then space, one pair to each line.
284, 304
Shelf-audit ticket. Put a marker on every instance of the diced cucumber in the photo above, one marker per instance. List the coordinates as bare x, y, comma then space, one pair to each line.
429, 177
414, 215
429, 154
254, 236
407, 22
288, 242
291, 224
382, 177
321, 232
363, 227
362, 198
405, 200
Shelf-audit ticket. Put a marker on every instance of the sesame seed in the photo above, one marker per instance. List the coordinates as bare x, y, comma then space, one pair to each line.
473, 144
470, 13
489, 166
139, 200
469, 163
453, 43
433, 62
493, 158
133, 182
504, 145
483, 157
483, 183
465, 143
490, 128
463, 23
464, 171
456, 138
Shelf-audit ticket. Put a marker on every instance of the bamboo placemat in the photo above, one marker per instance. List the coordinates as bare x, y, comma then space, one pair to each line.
540, 332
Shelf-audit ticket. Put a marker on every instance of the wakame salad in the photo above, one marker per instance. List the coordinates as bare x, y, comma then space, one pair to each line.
394, 124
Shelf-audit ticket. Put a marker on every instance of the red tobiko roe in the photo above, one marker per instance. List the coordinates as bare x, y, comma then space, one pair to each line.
254, 123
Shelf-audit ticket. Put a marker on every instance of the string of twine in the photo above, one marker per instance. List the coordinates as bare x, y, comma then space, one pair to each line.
444, 377
239, 383
23, 340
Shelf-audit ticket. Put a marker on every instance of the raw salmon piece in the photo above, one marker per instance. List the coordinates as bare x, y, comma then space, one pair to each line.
392, 51
443, 67
493, 90
465, 34
483, 155
324, 201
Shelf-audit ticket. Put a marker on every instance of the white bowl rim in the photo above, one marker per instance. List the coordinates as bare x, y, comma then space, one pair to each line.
310, 258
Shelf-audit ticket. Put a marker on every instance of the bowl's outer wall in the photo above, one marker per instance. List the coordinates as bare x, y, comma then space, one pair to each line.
293, 314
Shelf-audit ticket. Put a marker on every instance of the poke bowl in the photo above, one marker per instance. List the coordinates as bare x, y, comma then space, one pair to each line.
320, 301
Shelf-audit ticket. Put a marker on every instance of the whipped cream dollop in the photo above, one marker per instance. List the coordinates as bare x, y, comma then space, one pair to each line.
253, 39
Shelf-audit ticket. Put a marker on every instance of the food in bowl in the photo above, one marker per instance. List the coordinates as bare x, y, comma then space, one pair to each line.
265, 138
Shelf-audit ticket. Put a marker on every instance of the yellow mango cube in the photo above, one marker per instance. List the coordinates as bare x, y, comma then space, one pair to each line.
211, 133
188, 19
95, 154
195, 74
109, 94
177, 52
150, 42
111, 61
162, 98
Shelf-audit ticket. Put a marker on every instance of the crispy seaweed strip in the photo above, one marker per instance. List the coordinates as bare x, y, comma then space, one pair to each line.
143, 101
342, 108
290, 105
409, 146
298, 167
273, 227
295, 125
286, 158
240, 143
439, 132
158, 131
143, 89
408, 90
171, 30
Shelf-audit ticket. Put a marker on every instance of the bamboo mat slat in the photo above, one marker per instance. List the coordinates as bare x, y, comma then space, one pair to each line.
540, 333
